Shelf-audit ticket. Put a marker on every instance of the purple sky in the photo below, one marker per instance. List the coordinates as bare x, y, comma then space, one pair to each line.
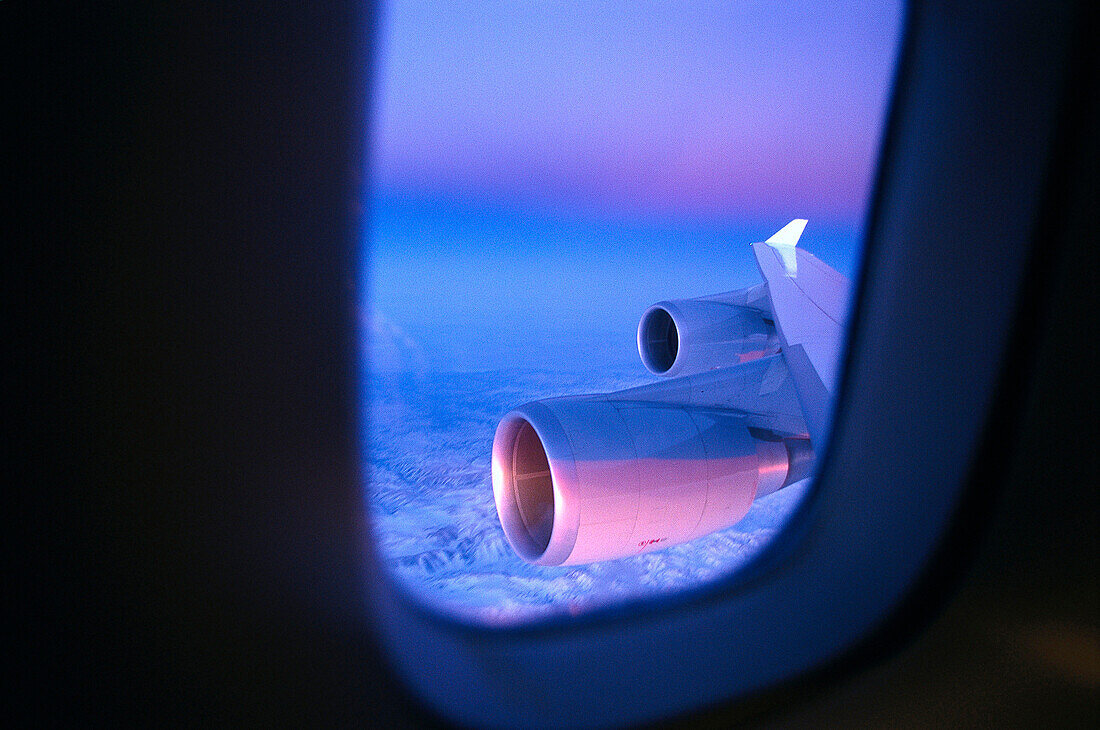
542, 171
686, 108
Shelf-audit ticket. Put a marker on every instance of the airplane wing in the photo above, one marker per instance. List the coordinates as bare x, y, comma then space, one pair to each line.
762, 391
809, 301
747, 376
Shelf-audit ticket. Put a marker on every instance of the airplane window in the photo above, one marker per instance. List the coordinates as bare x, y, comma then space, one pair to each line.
649, 213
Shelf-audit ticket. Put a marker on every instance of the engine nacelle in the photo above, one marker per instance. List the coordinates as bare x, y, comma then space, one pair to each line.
582, 479
684, 336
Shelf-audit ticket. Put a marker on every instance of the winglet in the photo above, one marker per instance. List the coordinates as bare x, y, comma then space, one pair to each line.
784, 242
789, 234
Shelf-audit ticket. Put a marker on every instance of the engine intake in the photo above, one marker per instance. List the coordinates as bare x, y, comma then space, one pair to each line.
685, 336
586, 478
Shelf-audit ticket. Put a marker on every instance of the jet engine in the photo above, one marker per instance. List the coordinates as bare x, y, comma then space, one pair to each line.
589, 478
684, 336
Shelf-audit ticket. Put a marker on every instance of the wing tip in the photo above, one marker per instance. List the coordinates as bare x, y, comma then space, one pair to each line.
789, 234
784, 241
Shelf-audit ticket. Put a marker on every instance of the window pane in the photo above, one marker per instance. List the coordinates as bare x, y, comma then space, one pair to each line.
541, 174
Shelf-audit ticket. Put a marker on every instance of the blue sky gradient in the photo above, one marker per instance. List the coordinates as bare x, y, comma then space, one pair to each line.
543, 171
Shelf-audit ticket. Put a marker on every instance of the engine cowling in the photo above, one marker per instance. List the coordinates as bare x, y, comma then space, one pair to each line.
684, 336
582, 479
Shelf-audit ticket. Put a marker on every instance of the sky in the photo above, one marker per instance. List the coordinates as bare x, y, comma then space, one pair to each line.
543, 171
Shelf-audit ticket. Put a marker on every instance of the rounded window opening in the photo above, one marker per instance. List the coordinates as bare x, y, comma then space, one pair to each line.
503, 272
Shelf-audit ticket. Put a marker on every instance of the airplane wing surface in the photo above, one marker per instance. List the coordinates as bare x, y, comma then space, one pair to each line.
809, 301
